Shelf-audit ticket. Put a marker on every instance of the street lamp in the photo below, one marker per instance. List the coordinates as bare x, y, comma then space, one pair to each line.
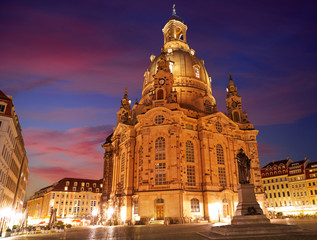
94, 214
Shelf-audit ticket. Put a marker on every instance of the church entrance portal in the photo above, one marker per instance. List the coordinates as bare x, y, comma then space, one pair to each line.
159, 207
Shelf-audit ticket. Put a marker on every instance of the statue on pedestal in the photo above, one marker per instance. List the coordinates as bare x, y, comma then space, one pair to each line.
243, 167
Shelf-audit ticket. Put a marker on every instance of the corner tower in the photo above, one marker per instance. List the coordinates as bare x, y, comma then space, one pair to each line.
234, 106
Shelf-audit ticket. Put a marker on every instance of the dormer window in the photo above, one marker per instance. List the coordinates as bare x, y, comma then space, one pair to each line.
2, 107
197, 71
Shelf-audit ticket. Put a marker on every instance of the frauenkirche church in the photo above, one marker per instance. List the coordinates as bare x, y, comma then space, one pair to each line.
172, 156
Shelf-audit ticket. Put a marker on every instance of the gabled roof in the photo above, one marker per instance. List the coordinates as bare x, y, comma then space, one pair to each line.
3, 96
271, 164
312, 164
297, 163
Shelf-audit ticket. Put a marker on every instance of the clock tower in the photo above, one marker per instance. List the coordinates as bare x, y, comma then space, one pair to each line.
163, 82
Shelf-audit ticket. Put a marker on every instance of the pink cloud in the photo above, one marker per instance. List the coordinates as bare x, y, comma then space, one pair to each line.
55, 154
66, 52
266, 149
68, 115
81, 145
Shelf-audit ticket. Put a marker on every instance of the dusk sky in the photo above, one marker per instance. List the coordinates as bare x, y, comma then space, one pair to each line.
66, 64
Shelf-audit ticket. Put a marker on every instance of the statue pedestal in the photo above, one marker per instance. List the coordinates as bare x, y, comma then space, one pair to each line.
248, 210
249, 219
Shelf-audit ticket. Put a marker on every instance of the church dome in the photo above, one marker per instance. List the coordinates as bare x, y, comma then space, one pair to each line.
191, 80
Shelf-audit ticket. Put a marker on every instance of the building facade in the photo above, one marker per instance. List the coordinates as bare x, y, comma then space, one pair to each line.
14, 169
73, 198
172, 155
290, 187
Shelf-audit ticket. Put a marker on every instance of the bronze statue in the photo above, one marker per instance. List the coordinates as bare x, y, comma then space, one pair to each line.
243, 167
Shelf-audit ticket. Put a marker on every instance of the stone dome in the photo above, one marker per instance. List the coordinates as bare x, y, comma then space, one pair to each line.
191, 80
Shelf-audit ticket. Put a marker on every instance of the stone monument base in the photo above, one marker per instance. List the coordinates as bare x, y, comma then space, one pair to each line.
256, 229
248, 204
250, 219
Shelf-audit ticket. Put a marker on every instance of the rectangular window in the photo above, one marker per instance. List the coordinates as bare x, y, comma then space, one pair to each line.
122, 179
136, 206
160, 173
191, 175
222, 176
189, 126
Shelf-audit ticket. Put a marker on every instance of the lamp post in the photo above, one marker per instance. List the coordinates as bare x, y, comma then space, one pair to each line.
94, 214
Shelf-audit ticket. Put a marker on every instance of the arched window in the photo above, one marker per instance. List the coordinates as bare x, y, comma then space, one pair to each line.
160, 148
236, 117
189, 151
160, 94
122, 162
171, 66
197, 71
208, 107
140, 156
220, 157
194, 205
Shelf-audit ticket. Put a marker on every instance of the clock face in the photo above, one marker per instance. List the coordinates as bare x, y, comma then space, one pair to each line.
161, 81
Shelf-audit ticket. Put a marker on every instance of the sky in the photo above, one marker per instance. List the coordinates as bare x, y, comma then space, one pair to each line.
66, 64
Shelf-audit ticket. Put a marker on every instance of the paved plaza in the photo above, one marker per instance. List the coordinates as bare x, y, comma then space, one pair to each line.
181, 231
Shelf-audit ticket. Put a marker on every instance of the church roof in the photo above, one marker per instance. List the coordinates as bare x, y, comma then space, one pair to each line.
175, 16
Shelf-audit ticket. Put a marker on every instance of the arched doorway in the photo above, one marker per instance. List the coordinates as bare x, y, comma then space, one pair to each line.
160, 94
159, 209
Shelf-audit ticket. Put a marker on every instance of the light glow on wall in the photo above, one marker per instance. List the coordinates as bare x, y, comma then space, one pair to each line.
123, 213
215, 210
110, 212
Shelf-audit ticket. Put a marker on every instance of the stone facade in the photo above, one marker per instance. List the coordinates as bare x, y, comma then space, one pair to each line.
74, 198
290, 187
172, 155
14, 169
